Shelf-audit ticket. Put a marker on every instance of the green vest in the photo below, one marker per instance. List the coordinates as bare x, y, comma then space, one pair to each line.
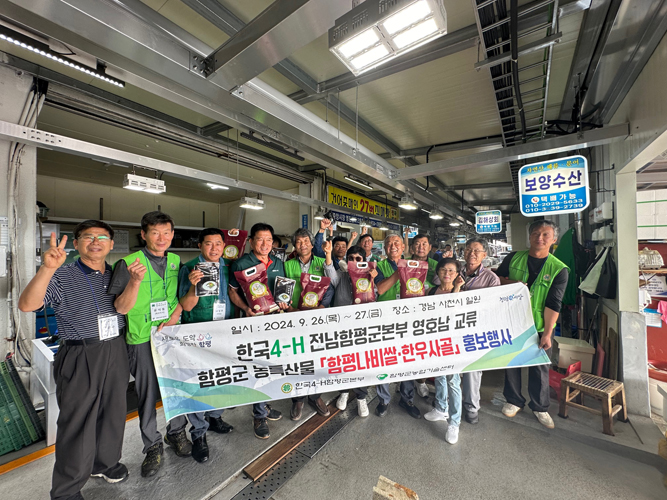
139, 318
395, 290
203, 311
540, 288
293, 271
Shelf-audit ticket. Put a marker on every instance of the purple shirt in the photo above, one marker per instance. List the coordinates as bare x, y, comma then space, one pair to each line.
482, 278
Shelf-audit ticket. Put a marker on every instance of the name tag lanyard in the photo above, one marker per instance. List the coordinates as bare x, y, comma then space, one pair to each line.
160, 308
107, 324
150, 280
469, 283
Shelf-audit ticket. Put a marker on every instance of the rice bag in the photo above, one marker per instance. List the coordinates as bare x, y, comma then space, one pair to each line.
210, 282
363, 289
313, 289
235, 241
412, 275
254, 283
283, 289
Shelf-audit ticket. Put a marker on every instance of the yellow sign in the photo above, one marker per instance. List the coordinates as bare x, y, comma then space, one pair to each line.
345, 199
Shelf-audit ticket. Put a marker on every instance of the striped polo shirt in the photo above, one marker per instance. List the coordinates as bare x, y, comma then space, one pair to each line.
69, 294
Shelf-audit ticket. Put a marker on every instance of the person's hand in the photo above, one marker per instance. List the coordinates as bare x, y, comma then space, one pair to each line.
327, 247
324, 224
234, 231
195, 276
55, 256
364, 230
545, 342
330, 230
248, 312
458, 283
406, 230
137, 271
373, 273
354, 235
284, 306
448, 254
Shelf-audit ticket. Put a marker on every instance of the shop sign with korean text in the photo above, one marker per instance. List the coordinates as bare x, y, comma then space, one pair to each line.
554, 187
345, 199
354, 219
488, 222
219, 364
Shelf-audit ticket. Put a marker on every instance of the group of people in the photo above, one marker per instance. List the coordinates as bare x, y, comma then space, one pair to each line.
105, 316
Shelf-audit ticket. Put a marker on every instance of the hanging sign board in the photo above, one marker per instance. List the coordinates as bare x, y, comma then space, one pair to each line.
354, 219
488, 222
554, 187
345, 199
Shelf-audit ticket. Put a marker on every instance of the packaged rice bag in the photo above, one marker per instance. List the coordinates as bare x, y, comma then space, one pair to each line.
283, 289
363, 289
313, 289
235, 241
412, 275
255, 288
209, 284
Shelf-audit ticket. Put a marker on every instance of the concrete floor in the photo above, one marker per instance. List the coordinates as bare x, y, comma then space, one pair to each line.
498, 458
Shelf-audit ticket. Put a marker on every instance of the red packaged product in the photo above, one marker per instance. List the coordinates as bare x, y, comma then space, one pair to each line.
235, 241
313, 288
256, 290
363, 288
412, 274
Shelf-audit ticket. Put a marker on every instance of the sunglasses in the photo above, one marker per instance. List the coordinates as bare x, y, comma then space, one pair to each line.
353, 258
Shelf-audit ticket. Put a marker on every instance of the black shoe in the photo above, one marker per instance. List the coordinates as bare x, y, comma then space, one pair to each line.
200, 449
319, 406
116, 474
297, 409
153, 460
273, 414
472, 417
218, 425
381, 409
261, 428
412, 410
179, 442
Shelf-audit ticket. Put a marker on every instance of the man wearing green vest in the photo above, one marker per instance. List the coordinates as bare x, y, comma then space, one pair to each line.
199, 310
389, 289
306, 262
261, 244
546, 277
146, 285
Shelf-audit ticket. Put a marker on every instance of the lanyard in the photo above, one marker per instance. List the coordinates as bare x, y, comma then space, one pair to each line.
150, 279
479, 271
90, 285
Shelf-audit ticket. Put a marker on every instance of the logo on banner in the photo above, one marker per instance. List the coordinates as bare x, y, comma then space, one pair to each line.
286, 388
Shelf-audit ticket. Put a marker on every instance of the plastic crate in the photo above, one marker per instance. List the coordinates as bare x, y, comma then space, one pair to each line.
12, 414
22, 413
10, 427
26, 402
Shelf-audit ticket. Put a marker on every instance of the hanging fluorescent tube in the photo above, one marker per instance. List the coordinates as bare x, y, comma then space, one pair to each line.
25, 42
251, 203
454, 224
135, 182
216, 186
377, 31
353, 219
357, 181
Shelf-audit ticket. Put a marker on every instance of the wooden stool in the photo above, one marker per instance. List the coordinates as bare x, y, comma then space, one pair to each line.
603, 389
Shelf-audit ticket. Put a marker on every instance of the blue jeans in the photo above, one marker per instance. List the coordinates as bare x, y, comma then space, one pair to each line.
199, 424
449, 386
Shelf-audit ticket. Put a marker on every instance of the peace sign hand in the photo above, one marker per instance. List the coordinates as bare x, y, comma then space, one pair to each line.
55, 256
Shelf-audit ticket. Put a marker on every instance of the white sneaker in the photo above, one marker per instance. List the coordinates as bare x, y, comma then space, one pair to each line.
434, 415
509, 410
545, 419
422, 390
452, 435
362, 407
341, 403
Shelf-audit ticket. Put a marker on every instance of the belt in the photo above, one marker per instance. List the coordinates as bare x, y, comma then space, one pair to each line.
87, 342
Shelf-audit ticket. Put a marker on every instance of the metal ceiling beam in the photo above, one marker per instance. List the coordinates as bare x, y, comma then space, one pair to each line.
526, 49
651, 177
281, 29
544, 147
493, 203
482, 142
452, 43
214, 129
490, 185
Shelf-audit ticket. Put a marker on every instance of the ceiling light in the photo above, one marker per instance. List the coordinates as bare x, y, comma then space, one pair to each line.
454, 224
216, 186
408, 203
251, 203
25, 42
319, 215
383, 227
365, 223
357, 181
427, 211
436, 214
376, 31
352, 219
135, 182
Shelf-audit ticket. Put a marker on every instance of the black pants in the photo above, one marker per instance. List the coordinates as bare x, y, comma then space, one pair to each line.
91, 383
538, 386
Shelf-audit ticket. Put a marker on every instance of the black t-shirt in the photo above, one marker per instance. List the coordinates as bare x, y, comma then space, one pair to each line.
121, 276
554, 298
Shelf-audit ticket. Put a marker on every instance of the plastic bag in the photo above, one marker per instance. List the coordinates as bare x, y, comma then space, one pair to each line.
412, 275
363, 289
255, 287
313, 289
235, 241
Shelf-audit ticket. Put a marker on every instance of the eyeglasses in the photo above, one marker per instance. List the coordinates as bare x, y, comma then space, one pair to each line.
90, 238
353, 258
476, 252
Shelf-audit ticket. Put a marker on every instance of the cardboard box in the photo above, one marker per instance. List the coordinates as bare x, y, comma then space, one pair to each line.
570, 351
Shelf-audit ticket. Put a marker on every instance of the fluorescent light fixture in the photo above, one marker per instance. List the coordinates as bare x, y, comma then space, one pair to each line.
454, 224
436, 214
353, 219
427, 211
383, 227
251, 203
135, 182
42, 49
357, 181
319, 215
365, 223
216, 186
376, 31
408, 203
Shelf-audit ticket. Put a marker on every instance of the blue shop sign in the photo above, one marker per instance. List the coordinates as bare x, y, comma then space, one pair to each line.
488, 222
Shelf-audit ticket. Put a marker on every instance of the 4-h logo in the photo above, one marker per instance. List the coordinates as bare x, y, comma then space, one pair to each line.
382, 376
286, 388
173, 266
